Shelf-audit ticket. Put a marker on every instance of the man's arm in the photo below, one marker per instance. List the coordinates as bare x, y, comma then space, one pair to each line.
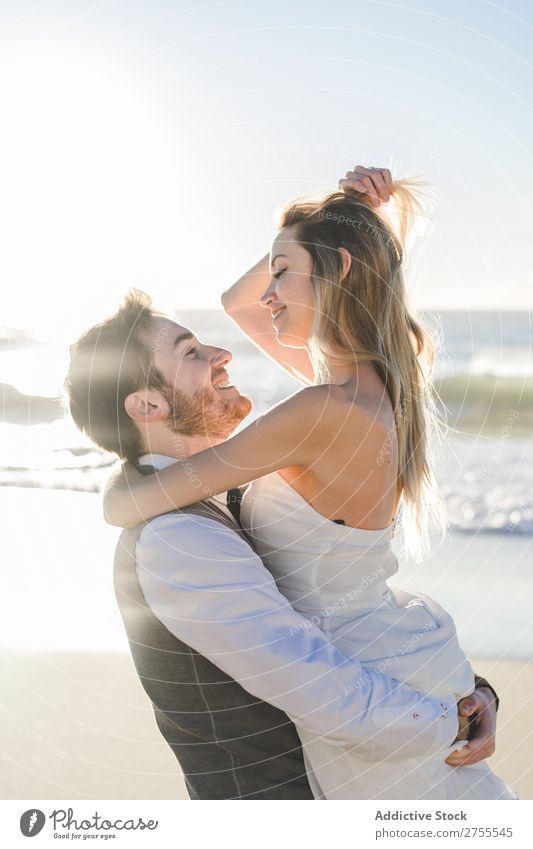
210, 589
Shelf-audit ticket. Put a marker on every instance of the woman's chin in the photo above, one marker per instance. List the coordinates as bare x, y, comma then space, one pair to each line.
289, 340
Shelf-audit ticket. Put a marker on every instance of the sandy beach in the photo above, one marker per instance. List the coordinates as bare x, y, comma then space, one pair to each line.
75, 721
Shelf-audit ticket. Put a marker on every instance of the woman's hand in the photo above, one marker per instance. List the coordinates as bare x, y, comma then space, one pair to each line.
375, 182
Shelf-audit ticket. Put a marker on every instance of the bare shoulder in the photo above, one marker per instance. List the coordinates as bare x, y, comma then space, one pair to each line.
299, 427
326, 400
361, 411
322, 412
309, 405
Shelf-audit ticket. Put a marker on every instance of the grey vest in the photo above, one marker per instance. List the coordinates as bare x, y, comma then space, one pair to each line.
229, 744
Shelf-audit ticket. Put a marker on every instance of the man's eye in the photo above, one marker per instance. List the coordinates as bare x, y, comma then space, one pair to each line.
278, 274
191, 351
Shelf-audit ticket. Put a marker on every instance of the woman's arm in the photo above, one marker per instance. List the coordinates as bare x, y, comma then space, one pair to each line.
241, 302
122, 479
290, 434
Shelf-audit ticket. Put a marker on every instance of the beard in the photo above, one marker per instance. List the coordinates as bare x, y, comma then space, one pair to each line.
205, 412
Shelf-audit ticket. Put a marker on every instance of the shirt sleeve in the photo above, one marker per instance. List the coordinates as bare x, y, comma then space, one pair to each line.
210, 589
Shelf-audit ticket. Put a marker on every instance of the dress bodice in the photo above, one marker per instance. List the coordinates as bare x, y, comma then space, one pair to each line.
314, 560
337, 576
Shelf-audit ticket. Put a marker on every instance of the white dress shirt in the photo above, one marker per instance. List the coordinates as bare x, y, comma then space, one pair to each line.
210, 589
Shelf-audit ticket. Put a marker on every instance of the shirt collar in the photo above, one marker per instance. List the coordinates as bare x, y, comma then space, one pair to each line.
158, 461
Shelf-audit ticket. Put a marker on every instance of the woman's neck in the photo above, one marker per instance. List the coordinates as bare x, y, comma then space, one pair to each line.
348, 374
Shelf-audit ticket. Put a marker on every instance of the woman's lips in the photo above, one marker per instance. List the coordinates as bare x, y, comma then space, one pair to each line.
277, 314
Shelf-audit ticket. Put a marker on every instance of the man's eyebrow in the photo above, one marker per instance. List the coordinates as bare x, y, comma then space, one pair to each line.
274, 258
181, 337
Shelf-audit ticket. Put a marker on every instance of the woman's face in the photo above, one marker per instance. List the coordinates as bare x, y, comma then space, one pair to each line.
289, 295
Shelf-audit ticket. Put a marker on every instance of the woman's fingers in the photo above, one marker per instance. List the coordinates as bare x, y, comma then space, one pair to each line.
371, 190
375, 182
378, 179
360, 184
387, 176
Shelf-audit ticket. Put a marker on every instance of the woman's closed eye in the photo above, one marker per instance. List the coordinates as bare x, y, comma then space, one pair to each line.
278, 274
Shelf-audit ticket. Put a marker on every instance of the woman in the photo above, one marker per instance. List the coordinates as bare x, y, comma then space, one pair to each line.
330, 465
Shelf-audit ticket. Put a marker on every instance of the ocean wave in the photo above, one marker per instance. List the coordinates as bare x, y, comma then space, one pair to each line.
488, 402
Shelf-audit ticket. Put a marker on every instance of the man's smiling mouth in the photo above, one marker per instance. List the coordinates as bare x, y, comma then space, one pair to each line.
223, 383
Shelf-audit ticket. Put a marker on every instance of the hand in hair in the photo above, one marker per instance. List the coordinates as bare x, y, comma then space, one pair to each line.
375, 182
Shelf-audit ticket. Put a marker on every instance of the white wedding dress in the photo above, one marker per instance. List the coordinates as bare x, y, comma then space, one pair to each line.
336, 576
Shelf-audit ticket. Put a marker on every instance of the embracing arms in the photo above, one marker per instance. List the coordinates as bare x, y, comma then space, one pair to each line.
210, 589
289, 434
231, 611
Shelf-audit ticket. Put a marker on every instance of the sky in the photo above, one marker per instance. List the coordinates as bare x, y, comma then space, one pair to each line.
150, 144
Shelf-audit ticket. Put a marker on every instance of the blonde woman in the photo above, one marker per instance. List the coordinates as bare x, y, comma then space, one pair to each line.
331, 465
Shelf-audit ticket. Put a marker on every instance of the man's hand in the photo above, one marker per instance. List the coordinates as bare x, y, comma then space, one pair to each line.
481, 708
374, 182
464, 727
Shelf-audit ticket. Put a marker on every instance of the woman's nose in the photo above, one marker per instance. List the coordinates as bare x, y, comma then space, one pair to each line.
268, 295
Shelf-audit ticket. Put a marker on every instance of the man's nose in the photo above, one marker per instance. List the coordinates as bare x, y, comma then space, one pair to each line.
221, 356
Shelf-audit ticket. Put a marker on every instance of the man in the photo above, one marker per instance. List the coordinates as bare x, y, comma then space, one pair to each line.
224, 658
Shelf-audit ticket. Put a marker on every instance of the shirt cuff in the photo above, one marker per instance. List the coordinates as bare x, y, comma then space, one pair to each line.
447, 726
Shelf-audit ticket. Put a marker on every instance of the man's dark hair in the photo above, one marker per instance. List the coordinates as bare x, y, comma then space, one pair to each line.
107, 363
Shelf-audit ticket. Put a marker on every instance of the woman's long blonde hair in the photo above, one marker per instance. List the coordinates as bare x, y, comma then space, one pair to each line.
364, 316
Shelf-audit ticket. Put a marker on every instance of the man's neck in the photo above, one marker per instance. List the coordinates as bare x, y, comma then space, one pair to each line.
179, 445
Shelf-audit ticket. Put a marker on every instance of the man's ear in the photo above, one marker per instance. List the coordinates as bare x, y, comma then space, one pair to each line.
346, 261
145, 406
